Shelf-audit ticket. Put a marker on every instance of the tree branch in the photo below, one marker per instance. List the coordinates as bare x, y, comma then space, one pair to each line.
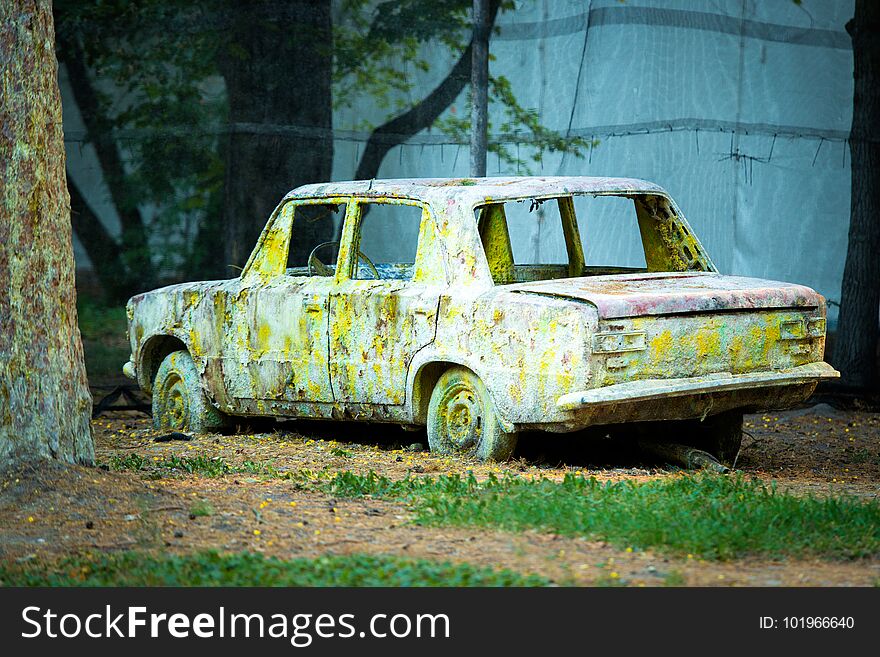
102, 249
422, 115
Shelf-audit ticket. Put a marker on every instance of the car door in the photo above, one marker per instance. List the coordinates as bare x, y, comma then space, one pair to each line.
277, 337
383, 308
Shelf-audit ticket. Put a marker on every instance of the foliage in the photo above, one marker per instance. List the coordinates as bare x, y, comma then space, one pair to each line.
154, 75
713, 516
248, 569
520, 125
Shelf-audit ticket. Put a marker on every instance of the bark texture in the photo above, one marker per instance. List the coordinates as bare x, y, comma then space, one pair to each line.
45, 404
277, 68
855, 349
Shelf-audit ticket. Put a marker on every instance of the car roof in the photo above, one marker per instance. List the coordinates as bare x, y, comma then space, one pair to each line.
477, 190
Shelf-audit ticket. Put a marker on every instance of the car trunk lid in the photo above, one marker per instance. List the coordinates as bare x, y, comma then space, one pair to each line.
647, 294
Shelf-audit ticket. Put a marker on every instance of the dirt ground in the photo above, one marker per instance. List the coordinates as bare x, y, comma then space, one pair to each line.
48, 513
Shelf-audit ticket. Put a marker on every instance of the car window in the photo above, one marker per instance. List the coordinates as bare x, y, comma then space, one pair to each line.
609, 229
536, 236
314, 233
525, 239
388, 241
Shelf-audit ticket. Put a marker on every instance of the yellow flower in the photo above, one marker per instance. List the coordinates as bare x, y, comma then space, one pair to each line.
257, 532
629, 549
613, 575
30, 518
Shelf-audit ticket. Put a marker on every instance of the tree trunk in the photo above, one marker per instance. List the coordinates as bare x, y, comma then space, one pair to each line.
45, 404
855, 349
278, 71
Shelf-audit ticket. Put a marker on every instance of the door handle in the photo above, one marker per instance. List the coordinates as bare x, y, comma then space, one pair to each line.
422, 311
313, 306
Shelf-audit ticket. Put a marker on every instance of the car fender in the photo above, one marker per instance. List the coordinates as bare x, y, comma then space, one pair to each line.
430, 355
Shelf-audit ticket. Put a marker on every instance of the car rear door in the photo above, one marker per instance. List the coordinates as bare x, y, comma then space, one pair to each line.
383, 312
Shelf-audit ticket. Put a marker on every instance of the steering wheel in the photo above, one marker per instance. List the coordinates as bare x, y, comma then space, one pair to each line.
319, 268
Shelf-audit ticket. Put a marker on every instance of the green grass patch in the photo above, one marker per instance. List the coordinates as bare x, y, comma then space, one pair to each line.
712, 516
201, 509
248, 569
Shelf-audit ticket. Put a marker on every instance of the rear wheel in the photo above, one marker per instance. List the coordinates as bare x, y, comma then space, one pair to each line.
178, 399
462, 419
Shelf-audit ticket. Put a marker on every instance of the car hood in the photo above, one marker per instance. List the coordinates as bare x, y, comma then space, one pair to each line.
633, 295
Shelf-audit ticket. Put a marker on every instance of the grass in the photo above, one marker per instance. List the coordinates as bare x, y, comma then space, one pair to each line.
707, 515
248, 569
205, 466
711, 516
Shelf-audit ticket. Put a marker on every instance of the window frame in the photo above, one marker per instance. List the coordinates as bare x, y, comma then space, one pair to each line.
351, 236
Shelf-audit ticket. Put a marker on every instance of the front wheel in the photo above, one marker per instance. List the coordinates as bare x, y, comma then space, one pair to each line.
462, 419
178, 399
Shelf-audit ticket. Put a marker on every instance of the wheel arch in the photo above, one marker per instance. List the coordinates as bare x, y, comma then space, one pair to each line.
153, 352
424, 376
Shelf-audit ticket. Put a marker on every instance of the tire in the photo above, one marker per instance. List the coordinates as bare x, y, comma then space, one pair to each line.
179, 402
462, 419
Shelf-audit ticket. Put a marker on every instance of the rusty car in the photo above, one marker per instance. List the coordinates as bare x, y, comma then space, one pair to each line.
479, 309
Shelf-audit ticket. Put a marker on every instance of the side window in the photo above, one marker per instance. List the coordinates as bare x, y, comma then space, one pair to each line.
536, 236
388, 241
524, 240
609, 229
314, 242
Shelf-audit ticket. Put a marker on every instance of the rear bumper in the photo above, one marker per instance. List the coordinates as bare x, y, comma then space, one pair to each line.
655, 389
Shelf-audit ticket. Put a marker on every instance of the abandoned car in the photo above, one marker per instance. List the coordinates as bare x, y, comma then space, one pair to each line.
408, 301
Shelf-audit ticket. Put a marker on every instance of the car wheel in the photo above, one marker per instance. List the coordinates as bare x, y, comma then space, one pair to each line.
178, 399
462, 419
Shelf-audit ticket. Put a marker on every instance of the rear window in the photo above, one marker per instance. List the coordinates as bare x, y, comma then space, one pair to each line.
609, 229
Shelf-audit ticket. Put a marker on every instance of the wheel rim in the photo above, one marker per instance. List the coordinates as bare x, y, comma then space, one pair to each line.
176, 403
461, 415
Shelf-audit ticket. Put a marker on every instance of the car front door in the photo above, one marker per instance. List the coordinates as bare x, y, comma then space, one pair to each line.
383, 308
276, 343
